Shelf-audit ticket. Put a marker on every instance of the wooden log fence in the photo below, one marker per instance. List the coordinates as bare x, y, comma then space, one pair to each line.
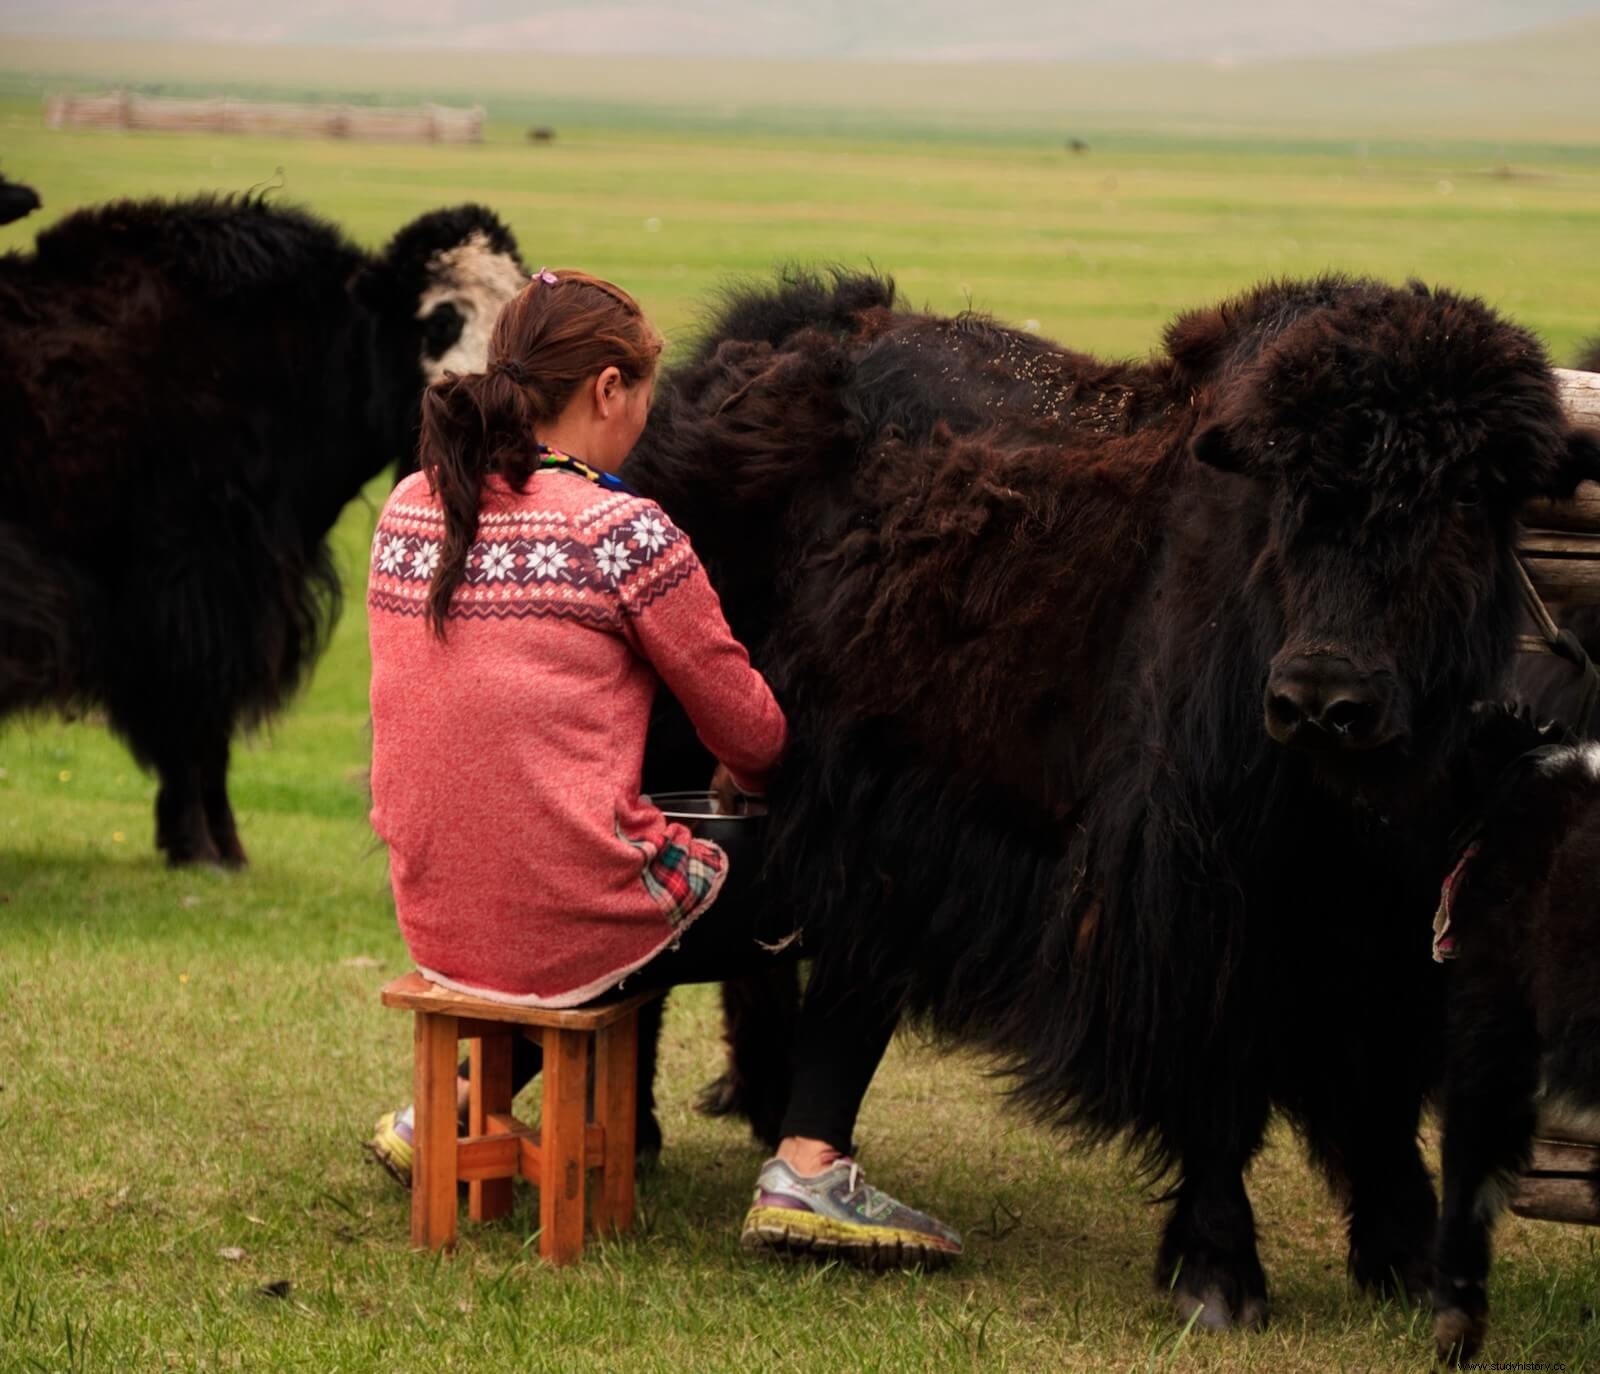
225, 115
1560, 541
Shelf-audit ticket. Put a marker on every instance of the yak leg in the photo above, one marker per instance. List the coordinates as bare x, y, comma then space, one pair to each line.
1366, 1143
759, 1014
191, 763
1208, 1256
181, 829
213, 766
647, 1129
1489, 1120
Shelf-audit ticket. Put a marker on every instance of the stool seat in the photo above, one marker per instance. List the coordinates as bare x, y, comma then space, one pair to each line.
588, 1097
415, 993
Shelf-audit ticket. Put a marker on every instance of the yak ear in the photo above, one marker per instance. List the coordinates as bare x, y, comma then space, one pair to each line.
1214, 447
1580, 464
369, 286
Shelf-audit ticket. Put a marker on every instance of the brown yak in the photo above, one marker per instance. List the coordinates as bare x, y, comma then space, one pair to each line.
1130, 700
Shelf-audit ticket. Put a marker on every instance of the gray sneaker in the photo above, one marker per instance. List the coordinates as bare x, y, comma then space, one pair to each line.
838, 1212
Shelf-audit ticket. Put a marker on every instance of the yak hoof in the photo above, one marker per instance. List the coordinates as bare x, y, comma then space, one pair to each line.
1216, 1313
719, 1097
1411, 1275
646, 1142
183, 854
730, 1095
1458, 1335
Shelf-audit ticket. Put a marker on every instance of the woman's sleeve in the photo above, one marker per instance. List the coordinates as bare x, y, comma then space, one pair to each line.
672, 617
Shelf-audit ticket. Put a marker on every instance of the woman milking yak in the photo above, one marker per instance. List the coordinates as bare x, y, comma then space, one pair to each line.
525, 606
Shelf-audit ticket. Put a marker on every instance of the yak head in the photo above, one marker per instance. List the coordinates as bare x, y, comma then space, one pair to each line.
435, 290
1389, 438
431, 297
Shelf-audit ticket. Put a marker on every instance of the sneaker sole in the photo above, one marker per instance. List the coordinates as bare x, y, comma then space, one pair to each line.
785, 1231
390, 1167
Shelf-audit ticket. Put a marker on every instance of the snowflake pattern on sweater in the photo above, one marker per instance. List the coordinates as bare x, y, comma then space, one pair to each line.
582, 595
610, 560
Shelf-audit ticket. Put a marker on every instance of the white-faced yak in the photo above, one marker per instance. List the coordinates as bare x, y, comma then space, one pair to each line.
1519, 927
1129, 700
190, 392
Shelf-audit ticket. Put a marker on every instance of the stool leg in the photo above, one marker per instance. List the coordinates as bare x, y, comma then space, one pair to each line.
433, 1162
489, 1198
616, 1049
561, 1145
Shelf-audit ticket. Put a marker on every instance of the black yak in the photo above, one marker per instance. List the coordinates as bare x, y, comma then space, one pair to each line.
1520, 926
190, 392
16, 200
1129, 700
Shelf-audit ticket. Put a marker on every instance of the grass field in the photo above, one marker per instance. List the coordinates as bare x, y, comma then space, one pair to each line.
188, 1061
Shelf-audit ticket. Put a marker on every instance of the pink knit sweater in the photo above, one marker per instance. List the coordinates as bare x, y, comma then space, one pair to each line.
506, 759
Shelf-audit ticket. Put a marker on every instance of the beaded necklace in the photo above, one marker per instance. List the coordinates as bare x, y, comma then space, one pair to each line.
565, 462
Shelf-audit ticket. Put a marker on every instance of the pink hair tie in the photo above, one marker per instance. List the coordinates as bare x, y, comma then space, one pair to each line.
545, 275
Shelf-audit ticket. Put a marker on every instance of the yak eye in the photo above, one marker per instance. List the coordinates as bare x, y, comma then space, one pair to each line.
441, 327
1470, 494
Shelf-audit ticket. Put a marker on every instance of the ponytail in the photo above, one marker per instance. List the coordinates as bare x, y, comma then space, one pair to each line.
548, 341
472, 426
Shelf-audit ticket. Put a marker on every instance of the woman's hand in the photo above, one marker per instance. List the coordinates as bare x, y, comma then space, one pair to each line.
725, 791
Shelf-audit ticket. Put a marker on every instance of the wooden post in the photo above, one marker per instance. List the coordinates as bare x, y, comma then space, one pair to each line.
433, 1161
615, 1093
491, 1092
562, 1137
1580, 395
1560, 540
1561, 1183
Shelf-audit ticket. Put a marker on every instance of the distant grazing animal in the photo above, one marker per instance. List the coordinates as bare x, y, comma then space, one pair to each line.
190, 393
541, 133
1129, 700
16, 200
1524, 1004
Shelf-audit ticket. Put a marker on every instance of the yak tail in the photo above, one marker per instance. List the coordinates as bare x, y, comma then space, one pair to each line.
45, 608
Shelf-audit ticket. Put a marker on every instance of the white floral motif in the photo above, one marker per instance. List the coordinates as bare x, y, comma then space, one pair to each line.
547, 560
426, 558
614, 557
496, 560
649, 533
392, 553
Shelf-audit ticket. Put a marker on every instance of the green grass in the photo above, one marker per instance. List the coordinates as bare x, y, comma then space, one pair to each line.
188, 1061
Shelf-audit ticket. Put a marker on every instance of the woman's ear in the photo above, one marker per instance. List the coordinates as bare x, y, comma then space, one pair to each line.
608, 391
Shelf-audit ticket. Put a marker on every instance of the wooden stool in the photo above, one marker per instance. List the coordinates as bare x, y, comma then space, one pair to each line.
497, 1148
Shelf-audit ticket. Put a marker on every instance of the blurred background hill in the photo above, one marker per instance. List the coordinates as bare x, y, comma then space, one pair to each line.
1336, 81
1135, 30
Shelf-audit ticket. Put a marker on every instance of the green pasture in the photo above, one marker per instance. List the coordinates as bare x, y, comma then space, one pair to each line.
189, 1061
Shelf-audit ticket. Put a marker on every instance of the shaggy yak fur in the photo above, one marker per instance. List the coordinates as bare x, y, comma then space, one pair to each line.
1524, 1023
1129, 700
190, 392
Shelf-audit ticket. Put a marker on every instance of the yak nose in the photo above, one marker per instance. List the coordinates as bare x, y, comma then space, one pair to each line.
1323, 700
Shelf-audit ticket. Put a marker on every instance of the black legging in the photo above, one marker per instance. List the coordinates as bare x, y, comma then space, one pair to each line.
839, 1040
